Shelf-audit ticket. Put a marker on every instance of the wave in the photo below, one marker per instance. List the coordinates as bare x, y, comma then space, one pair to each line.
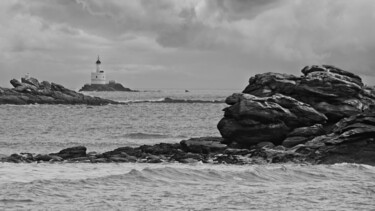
172, 100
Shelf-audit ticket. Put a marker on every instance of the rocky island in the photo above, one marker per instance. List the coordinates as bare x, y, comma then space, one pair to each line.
325, 116
110, 87
31, 91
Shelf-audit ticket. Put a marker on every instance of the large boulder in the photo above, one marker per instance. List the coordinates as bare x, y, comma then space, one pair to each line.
332, 91
251, 120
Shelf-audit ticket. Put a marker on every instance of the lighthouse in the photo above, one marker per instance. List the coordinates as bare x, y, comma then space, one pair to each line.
98, 77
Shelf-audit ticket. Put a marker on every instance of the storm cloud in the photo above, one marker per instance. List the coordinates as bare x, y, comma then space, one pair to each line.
183, 44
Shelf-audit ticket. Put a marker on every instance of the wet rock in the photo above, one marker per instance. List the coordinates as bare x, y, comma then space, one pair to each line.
43, 157
160, 149
203, 145
72, 152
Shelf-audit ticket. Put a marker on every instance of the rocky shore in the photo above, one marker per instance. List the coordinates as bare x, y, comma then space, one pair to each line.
325, 116
31, 91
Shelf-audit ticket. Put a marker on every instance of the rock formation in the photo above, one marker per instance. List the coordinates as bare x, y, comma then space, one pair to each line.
291, 110
31, 91
105, 88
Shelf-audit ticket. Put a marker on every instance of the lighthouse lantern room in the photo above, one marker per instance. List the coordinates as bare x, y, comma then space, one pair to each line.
98, 77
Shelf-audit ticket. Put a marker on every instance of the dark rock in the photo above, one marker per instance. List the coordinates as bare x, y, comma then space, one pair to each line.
31, 81
303, 134
15, 83
251, 120
43, 157
265, 144
294, 140
315, 130
104, 87
73, 152
203, 145
160, 149
352, 140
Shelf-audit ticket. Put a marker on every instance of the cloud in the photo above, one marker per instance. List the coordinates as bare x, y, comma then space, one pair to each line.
228, 40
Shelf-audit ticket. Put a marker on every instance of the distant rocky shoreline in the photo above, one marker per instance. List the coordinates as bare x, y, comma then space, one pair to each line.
31, 91
326, 116
110, 87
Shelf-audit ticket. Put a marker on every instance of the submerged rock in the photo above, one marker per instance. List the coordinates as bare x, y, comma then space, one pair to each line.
30, 91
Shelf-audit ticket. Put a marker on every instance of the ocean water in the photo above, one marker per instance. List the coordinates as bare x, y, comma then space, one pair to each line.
166, 186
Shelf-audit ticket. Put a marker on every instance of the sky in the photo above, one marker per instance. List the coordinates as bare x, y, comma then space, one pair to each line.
183, 44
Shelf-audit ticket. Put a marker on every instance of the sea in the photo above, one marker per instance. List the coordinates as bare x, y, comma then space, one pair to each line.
151, 117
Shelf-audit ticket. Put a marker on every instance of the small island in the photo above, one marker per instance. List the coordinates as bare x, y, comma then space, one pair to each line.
99, 84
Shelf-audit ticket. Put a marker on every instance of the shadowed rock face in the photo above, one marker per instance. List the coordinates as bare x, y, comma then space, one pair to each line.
251, 120
30, 91
274, 105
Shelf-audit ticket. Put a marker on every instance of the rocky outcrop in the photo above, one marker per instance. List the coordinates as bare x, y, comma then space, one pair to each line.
351, 140
31, 91
251, 120
334, 92
105, 88
285, 109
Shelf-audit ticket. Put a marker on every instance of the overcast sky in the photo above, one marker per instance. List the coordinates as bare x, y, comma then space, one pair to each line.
214, 44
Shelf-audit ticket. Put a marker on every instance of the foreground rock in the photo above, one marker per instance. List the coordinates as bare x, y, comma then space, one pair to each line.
105, 88
31, 91
251, 120
283, 109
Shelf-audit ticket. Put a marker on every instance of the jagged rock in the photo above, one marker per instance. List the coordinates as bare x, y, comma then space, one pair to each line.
251, 120
334, 92
30, 91
15, 83
31, 81
203, 145
352, 140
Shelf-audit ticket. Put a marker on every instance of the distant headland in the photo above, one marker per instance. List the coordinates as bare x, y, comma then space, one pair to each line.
30, 91
98, 82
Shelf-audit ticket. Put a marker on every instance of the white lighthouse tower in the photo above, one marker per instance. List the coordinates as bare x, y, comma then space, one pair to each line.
98, 77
